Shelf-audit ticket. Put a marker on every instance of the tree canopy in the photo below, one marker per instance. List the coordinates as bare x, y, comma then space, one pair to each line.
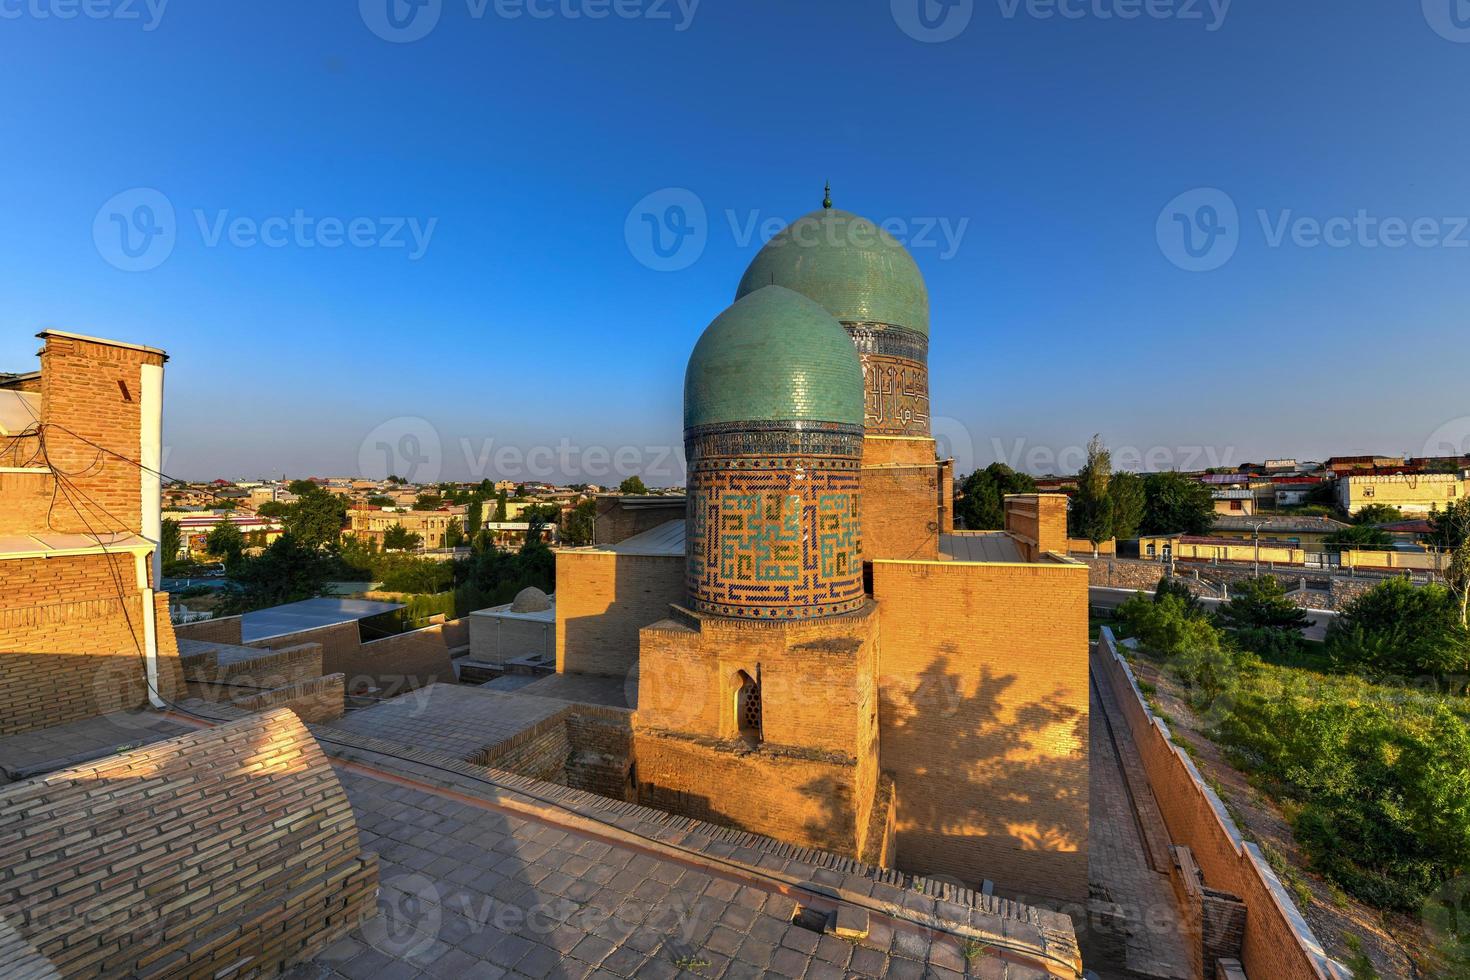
1176, 504
632, 485
980, 503
1092, 507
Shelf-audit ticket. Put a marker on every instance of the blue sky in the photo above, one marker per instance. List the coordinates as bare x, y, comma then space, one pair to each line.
1053, 149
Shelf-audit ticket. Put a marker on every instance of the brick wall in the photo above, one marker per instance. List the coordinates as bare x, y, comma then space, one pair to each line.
232, 848
1278, 943
901, 511
603, 600
392, 665
983, 720
617, 522
1039, 522
71, 644
316, 700
93, 392
223, 630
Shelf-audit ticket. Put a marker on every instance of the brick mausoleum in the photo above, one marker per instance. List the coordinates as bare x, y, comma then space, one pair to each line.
820, 657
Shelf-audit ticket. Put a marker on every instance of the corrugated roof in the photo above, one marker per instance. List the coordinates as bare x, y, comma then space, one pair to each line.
980, 546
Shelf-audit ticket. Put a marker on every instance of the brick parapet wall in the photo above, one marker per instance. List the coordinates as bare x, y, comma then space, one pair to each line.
603, 600
1278, 943
223, 630
984, 703
73, 640
231, 848
392, 665
316, 700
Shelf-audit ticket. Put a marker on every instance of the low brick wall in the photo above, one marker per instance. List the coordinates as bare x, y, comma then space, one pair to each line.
1278, 943
392, 665
223, 630
316, 700
230, 849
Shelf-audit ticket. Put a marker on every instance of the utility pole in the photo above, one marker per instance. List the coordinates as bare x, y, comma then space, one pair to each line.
1257, 528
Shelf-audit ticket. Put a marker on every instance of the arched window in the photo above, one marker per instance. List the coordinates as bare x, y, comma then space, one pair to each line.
747, 707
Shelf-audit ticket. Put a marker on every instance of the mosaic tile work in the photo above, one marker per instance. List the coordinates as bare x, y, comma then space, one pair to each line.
774, 535
895, 378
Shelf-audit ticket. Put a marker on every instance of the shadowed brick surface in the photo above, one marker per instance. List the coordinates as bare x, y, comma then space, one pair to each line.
456, 721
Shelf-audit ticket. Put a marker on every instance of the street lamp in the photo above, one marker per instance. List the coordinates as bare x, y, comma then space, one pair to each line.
1257, 528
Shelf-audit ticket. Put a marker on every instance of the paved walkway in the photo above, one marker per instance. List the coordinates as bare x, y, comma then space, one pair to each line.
1122, 840
456, 721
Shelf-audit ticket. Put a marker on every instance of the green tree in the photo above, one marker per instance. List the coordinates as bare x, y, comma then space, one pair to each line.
632, 485
577, 527
1457, 577
316, 519
981, 501
1176, 504
1261, 603
1126, 491
1378, 514
1092, 507
1400, 629
453, 533
1452, 525
1358, 536
301, 488
428, 501
225, 541
170, 542
541, 514
474, 516
500, 509
287, 571
378, 500
400, 538
273, 509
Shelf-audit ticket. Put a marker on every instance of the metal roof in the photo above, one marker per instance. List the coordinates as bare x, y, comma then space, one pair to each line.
666, 540
988, 547
308, 614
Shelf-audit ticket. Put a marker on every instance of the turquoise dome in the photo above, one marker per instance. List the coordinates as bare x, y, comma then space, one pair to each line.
774, 356
857, 271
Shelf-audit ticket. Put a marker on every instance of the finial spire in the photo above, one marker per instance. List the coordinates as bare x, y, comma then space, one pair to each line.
827, 200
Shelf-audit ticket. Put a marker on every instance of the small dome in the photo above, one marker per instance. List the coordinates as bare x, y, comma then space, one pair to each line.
774, 356
849, 265
529, 600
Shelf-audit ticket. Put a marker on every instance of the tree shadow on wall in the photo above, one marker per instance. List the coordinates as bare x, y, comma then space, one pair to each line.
988, 765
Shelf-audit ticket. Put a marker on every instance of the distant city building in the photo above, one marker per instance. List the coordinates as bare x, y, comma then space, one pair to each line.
1411, 493
367, 524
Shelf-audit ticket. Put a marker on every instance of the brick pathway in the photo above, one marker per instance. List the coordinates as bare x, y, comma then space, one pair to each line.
1119, 855
449, 719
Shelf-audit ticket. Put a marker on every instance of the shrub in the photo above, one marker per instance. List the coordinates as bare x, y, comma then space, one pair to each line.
1170, 586
1401, 629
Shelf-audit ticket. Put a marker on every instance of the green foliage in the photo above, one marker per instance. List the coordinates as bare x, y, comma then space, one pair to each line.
980, 503
632, 485
400, 538
1091, 514
302, 488
170, 540
1452, 525
315, 520
273, 509
1399, 629
541, 514
1170, 586
1261, 604
1358, 964
378, 500
1377, 776
474, 516
1168, 627
1127, 493
1378, 514
1358, 536
578, 526
453, 533
500, 502
1176, 504
428, 501
287, 571
225, 541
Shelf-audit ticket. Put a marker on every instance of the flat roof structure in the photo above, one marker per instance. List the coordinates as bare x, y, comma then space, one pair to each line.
308, 614
981, 546
664, 541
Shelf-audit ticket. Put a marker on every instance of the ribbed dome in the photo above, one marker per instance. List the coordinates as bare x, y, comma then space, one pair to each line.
774, 356
857, 271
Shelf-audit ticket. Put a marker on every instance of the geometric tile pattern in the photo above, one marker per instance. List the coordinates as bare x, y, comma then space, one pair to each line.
774, 536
